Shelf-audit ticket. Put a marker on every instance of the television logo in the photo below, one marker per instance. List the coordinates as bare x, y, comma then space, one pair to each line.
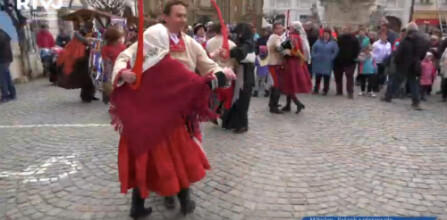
46, 4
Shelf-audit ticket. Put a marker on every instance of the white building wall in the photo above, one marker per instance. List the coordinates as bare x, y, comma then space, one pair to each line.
397, 8
299, 9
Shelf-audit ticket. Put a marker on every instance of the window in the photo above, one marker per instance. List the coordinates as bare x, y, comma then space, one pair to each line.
205, 3
283, 3
426, 2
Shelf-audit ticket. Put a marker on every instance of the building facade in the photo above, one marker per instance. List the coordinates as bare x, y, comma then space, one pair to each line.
430, 12
293, 10
203, 11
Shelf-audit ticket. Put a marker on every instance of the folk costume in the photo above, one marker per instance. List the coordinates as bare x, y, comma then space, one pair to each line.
160, 146
296, 78
244, 54
224, 95
276, 69
73, 66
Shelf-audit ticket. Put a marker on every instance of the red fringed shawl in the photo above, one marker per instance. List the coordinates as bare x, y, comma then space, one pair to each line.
168, 91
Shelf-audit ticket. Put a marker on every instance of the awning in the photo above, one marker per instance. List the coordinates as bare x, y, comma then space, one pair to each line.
434, 22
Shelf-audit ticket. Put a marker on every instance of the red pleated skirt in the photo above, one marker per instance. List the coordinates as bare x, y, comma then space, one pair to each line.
295, 78
174, 164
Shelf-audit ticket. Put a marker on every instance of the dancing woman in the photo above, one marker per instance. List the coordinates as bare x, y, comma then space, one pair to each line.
296, 75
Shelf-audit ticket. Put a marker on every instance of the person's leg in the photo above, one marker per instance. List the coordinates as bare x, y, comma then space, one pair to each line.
3, 83
186, 203
415, 94
338, 73
11, 87
362, 79
393, 85
444, 89
299, 106
423, 92
317, 83
137, 210
369, 79
350, 70
327, 81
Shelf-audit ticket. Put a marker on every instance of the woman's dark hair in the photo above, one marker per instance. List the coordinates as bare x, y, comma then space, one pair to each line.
244, 32
216, 28
170, 4
112, 35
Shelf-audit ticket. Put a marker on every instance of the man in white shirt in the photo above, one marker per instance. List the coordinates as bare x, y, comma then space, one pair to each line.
381, 51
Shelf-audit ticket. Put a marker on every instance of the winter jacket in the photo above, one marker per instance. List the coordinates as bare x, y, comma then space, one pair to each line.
364, 42
323, 55
5, 48
428, 73
349, 48
412, 49
367, 64
45, 39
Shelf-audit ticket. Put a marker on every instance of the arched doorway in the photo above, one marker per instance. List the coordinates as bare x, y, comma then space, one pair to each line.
394, 23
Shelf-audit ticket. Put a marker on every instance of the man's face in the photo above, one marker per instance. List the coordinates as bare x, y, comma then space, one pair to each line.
279, 29
383, 27
346, 30
362, 33
176, 21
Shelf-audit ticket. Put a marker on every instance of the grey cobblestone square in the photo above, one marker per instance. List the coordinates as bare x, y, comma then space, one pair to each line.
339, 157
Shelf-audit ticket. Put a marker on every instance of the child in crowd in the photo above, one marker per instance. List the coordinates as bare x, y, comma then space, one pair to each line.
428, 75
367, 72
262, 72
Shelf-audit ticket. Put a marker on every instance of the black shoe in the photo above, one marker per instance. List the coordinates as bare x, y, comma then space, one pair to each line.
300, 108
286, 108
324, 93
93, 98
266, 93
255, 94
86, 100
215, 122
351, 96
240, 130
416, 107
169, 202
275, 110
423, 99
187, 205
385, 99
339, 94
137, 210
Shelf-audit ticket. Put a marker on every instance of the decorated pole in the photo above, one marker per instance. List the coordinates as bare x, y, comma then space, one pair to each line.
138, 67
224, 31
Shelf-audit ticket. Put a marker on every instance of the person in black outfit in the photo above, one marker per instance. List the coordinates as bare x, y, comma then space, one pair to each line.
345, 62
244, 53
7, 87
313, 34
412, 49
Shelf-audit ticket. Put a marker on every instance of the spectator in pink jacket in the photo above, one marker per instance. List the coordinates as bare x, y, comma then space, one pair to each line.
428, 75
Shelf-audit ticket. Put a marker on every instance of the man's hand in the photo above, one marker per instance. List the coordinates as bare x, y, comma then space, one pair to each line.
128, 76
229, 74
215, 54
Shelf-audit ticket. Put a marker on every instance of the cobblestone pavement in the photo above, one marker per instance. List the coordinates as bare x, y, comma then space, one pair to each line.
339, 157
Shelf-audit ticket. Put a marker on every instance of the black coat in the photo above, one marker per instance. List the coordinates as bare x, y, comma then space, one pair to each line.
5, 47
349, 50
411, 51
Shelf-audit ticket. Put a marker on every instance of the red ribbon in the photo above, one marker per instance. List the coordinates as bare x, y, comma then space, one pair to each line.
138, 67
224, 31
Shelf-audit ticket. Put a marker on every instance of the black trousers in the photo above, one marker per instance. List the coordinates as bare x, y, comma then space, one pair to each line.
425, 91
327, 80
444, 88
371, 80
381, 77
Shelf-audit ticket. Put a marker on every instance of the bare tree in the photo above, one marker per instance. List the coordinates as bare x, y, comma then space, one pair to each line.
19, 21
115, 7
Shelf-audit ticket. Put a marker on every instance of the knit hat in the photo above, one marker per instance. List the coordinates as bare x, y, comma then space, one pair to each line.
263, 52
